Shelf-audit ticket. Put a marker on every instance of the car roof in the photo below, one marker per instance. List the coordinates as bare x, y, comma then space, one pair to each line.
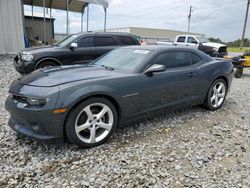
160, 47
103, 33
163, 48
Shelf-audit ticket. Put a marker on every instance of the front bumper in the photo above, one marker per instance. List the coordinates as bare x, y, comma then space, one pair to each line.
41, 125
23, 67
219, 54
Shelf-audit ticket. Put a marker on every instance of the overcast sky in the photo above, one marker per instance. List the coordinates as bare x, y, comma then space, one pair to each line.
214, 18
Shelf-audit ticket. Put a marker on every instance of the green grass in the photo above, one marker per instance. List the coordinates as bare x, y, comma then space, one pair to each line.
236, 49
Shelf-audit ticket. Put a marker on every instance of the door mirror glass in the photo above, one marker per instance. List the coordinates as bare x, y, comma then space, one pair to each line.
155, 68
73, 45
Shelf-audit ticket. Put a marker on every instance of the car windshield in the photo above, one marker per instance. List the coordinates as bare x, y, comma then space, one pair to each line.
202, 39
66, 40
124, 59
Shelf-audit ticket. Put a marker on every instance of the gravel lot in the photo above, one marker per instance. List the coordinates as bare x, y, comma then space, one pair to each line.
188, 148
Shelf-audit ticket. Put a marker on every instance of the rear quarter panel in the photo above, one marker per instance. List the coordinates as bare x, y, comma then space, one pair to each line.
210, 71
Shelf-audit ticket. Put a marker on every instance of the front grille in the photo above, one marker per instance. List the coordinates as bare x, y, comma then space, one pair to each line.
17, 60
222, 49
19, 98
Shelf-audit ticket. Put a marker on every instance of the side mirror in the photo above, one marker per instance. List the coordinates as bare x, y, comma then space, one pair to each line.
73, 45
155, 68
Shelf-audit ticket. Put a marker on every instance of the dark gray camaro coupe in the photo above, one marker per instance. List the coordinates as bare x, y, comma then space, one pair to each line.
85, 103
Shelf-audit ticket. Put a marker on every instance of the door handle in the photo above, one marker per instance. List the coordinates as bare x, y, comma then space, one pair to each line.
191, 74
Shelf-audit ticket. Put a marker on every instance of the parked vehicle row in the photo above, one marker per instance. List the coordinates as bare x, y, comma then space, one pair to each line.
85, 103
74, 49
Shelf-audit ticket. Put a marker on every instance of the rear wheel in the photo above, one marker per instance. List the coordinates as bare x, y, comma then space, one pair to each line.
91, 123
216, 95
45, 64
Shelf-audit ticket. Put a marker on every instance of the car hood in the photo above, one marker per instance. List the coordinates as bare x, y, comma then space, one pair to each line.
213, 44
39, 49
65, 74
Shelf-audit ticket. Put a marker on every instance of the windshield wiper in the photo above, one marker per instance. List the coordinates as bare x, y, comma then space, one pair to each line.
107, 67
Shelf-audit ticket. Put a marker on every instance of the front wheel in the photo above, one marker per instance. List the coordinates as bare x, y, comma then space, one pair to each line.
91, 123
216, 95
46, 64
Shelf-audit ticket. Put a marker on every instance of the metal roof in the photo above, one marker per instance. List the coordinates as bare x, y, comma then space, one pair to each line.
37, 15
74, 5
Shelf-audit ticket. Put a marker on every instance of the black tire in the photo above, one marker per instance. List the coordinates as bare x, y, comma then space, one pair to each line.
73, 118
46, 64
208, 104
238, 72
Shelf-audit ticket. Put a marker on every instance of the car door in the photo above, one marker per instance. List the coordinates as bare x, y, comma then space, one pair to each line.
103, 44
175, 86
84, 53
191, 41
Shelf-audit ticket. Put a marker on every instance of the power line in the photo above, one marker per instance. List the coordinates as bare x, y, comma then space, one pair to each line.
158, 13
152, 11
172, 17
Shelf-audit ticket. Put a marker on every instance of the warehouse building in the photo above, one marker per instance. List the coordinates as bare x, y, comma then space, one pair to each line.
16, 28
150, 35
14, 31
11, 26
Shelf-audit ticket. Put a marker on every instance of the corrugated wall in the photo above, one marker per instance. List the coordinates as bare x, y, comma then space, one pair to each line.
36, 29
11, 26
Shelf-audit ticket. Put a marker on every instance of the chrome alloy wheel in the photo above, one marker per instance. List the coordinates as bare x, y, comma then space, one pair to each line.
218, 94
94, 123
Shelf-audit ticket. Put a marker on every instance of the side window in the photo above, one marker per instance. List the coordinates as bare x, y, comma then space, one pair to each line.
181, 39
195, 58
126, 40
105, 41
192, 40
173, 59
86, 42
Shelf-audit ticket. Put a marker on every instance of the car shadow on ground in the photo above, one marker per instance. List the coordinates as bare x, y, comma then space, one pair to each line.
129, 131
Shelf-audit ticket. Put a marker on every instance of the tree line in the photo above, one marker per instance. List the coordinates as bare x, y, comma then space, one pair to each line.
235, 43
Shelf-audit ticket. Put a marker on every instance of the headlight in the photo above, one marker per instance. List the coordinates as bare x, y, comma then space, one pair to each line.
36, 101
215, 49
27, 57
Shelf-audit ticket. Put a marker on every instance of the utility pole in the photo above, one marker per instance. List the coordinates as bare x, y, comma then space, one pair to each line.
189, 17
245, 25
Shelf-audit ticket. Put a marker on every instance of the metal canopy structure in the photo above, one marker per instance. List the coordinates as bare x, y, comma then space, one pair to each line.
75, 5
69, 5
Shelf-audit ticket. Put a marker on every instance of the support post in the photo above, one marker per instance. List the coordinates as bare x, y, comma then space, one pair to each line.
51, 28
82, 21
87, 28
189, 18
245, 25
44, 23
32, 18
67, 17
105, 18
23, 17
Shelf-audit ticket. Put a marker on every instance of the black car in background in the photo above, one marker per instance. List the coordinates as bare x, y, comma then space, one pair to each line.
74, 49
